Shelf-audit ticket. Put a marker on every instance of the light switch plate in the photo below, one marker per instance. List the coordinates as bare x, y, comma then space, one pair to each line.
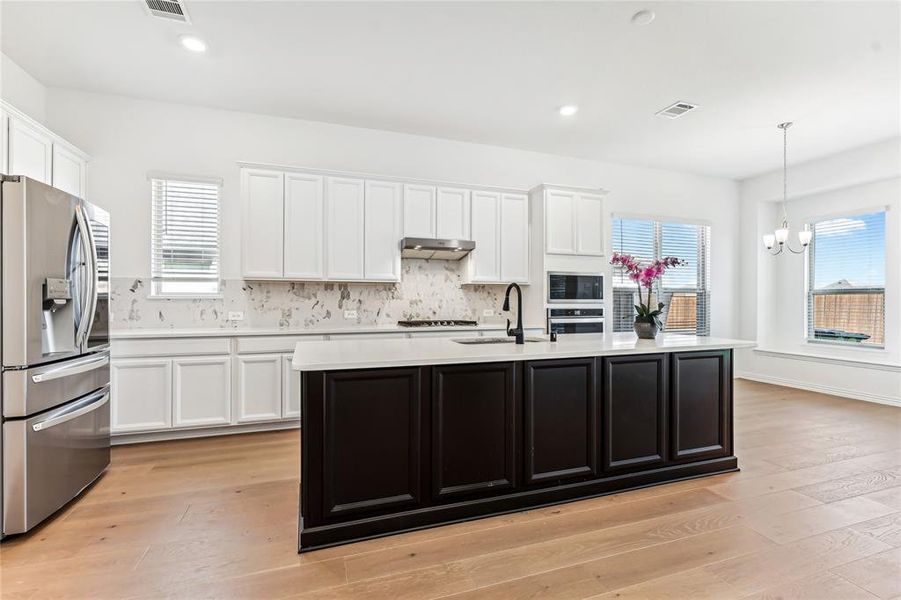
350, 314
487, 312
236, 315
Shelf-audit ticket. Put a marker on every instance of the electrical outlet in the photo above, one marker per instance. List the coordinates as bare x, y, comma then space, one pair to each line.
488, 312
236, 315
350, 314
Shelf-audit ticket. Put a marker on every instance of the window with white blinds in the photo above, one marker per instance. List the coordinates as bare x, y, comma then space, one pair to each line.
684, 289
185, 238
846, 280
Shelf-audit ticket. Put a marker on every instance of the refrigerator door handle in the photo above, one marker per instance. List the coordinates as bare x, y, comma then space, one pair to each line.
72, 368
87, 315
94, 401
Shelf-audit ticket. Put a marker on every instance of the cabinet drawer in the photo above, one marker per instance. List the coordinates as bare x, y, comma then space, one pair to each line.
273, 343
169, 347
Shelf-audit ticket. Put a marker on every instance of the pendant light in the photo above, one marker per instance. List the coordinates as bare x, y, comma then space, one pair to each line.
777, 241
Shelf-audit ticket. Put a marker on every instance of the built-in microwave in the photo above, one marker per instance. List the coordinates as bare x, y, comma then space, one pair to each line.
575, 288
565, 321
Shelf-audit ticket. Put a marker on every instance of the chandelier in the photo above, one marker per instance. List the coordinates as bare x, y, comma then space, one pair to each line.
780, 236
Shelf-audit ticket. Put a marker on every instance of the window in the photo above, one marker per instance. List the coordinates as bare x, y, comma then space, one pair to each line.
684, 290
185, 238
846, 280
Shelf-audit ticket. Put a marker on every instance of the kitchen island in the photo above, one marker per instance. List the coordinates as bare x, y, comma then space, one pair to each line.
406, 434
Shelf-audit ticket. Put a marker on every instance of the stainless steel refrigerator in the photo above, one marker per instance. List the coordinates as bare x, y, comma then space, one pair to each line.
54, 309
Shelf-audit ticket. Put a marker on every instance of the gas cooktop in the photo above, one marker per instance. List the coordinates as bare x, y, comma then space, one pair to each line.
438, 323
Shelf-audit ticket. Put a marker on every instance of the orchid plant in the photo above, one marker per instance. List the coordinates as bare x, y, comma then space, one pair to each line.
644, 276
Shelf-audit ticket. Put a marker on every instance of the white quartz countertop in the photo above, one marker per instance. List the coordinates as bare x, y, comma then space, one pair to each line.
249, 331
365, 354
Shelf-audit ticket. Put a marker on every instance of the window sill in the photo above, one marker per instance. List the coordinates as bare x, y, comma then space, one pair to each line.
882, 365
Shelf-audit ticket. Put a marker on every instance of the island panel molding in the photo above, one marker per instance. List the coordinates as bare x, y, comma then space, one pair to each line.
487, 436
474, 429
561, 430
635, 398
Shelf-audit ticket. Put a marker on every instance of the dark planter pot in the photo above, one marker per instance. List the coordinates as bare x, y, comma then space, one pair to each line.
646, 330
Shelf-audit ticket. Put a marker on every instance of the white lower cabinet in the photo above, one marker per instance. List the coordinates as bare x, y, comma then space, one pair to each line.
202, 391
259, 387
141, 390
290, 389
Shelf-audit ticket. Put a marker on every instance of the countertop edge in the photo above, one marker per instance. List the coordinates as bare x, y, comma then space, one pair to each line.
556, 353
133, 334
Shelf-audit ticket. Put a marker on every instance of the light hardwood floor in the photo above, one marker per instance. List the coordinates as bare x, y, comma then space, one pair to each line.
815, 513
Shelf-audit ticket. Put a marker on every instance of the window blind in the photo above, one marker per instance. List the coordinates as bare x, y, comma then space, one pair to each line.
184, 238
684, 289
846, 280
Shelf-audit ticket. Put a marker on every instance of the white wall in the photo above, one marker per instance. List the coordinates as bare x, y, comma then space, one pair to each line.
773, 288
22, 90
126, 138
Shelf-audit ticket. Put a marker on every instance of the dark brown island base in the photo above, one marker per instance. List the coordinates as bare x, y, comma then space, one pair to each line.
387, 449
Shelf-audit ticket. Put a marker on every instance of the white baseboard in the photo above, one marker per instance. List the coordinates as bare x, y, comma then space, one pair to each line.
823, 389
119, 439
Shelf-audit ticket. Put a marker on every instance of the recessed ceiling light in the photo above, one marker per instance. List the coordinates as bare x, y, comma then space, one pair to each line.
194, 44
568, 110
643, 17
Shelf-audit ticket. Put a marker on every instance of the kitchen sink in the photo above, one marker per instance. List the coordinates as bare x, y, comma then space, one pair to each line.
495, 340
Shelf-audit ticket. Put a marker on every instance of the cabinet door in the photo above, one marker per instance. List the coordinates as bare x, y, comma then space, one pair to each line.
69, 171
560, 222
371, 434
634, 411
290, 389
141, 395
561, 419
259, 387
419, 211
202, 391
30, 151
383, 230
303, 227
515, 238
473, 429
701, 405
452, 214
262, 240
485, 260
590, 225
344, 228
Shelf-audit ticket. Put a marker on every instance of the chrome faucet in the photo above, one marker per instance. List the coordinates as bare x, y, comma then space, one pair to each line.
518, 332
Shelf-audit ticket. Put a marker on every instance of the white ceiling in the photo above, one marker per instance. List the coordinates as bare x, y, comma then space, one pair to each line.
496, 73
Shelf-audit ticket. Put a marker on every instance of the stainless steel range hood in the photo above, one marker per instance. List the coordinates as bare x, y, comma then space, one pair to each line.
430, 248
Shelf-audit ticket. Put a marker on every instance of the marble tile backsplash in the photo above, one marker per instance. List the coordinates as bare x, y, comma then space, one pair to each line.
427, 290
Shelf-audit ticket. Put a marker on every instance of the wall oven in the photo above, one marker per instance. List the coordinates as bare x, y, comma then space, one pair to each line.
563, 321
575, 288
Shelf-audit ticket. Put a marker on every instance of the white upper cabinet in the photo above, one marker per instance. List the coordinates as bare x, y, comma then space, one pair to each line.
263, 222
514, 238
419, 211
560, 222
573, 222
485, 260
452, 214
30, 151
382, 230
344, 228
69, 170
304, 213
590, 225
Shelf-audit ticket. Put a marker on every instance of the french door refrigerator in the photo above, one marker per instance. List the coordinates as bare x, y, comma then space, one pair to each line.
54, 309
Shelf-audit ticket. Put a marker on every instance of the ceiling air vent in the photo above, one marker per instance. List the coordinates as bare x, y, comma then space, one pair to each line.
674, 111
174, 10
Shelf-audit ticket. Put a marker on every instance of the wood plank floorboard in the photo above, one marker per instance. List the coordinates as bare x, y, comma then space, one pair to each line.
815, 513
